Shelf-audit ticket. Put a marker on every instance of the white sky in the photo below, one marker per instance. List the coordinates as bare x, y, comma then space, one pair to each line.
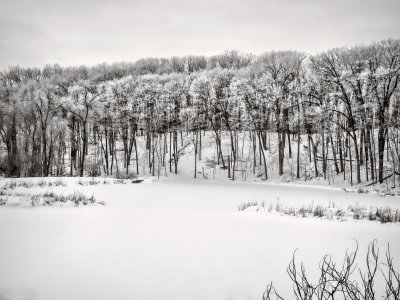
74, 32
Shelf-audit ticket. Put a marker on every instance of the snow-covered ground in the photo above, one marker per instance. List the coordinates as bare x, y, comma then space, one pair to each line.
174, 238
247, 172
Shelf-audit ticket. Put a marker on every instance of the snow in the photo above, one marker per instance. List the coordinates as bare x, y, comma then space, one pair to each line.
174, 238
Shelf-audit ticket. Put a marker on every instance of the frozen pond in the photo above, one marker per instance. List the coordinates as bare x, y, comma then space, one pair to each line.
175, 239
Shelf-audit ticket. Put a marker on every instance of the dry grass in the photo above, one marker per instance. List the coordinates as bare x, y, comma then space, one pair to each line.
51, 198
32, 183
329, 212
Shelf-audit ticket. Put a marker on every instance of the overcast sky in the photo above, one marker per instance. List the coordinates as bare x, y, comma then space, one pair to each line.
74, 32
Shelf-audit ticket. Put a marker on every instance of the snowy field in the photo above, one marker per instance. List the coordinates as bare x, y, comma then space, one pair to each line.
174, 238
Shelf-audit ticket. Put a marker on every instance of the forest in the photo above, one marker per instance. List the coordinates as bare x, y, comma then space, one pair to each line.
339, 108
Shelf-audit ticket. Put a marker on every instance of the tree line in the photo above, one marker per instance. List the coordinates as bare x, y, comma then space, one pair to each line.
339, 108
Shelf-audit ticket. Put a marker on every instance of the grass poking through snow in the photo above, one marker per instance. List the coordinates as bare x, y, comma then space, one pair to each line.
32, 183
51, 198
329, 212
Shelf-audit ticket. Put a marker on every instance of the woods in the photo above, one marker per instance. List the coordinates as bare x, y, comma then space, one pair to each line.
338, 109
